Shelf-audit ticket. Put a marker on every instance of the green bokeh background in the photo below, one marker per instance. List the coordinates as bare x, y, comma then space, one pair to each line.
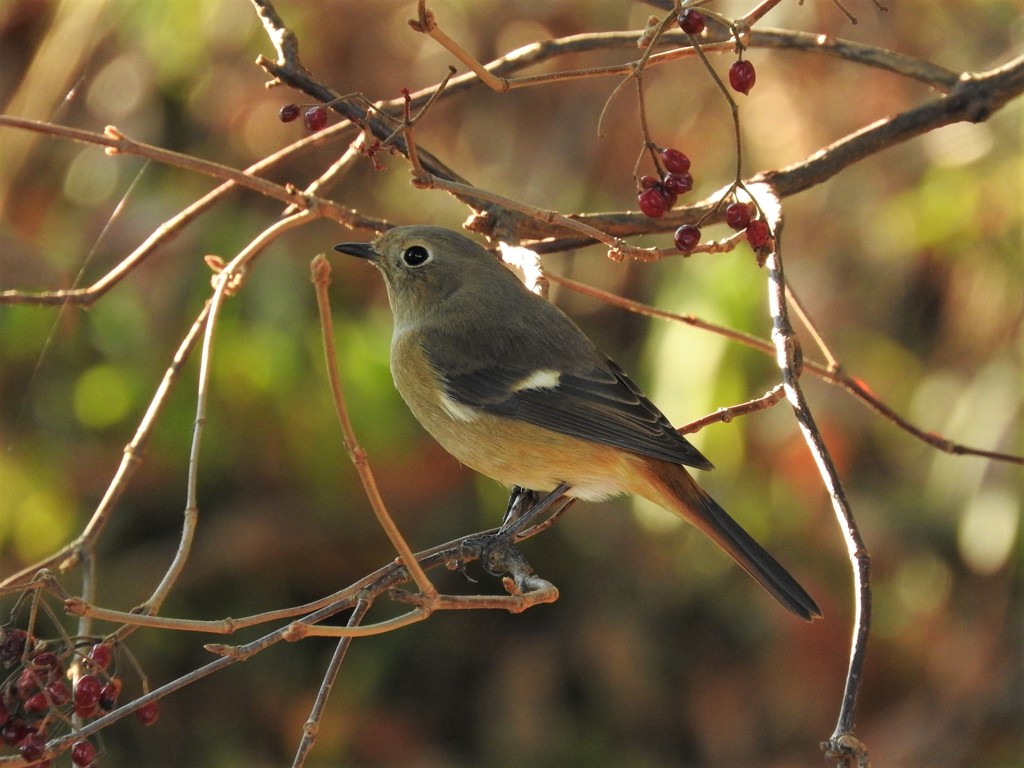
659, 652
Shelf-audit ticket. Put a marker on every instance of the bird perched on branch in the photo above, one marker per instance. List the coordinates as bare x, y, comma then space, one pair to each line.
511, 387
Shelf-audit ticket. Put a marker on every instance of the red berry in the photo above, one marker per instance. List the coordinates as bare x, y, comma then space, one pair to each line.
101, 655
315, 118
45, 659
12, 644
109, 694
758, 234
737, 216
36, 704
48, 665
687, 237
653, 203
32, 747
58, 692
14, 730
648, 182
678, 183
27, 683
287, 113
691, 21
742, 76
675, 161
148, 713
87, 691
83, 753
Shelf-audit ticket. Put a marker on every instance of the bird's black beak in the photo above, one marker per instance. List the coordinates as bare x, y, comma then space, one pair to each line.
362, 250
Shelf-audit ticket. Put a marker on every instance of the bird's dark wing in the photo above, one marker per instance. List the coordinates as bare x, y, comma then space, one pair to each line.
600, 404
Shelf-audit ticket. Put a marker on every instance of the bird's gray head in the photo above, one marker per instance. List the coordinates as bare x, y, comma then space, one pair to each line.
425, 267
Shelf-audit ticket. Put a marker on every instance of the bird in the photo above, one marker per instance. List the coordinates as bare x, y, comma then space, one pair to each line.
511, 387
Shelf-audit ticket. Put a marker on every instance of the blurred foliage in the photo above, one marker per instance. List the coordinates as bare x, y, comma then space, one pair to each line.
659, 652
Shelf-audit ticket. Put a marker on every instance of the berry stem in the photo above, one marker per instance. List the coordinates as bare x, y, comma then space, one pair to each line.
733, 106
638, 74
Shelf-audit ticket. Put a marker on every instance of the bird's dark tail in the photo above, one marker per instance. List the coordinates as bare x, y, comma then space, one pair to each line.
675, 490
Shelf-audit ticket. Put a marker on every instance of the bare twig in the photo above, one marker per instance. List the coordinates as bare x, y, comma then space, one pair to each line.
312, 725
288, 194
940, 78
69, 556
727, 414
757, 13
226, 283
427, 24
321, 279
842, 745
828, 372
819, 340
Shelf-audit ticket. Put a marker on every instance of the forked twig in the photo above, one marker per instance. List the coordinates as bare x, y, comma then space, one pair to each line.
68, 557
232, 178
832, 373
311, 727
225, 283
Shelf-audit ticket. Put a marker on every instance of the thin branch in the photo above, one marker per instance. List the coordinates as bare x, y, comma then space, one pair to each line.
321, 279
311, 727
226, 283
819, 340
453, 555
288, 69
246, 178
617, 248
842, 745
427, 24
828, 372
727, 414
69, 556
513, 603
498, 70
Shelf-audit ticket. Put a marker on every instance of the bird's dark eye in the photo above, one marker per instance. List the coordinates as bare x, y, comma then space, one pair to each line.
415, 255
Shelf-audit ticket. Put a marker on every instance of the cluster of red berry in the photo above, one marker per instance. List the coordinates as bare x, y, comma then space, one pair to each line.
35, 695
740, 217
313, 117
659, 193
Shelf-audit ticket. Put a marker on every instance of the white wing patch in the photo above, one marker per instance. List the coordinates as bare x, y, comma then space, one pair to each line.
542, 378
457, 410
